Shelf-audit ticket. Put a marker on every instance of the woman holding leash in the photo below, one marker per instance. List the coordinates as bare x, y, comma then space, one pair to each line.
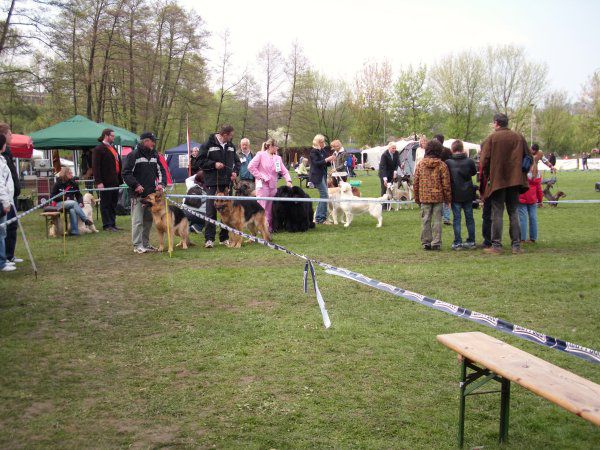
266, 166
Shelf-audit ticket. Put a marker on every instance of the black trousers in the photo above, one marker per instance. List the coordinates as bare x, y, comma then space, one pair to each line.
108, 208
385, 206
10, 240
211, 230
510, 198
486, 223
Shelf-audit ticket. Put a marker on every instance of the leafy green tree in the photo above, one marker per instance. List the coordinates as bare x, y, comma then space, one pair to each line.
412, 102
555, 123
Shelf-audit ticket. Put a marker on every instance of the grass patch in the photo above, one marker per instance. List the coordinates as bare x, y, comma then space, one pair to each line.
221, 347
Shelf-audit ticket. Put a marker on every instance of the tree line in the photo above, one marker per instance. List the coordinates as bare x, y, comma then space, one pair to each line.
142, 65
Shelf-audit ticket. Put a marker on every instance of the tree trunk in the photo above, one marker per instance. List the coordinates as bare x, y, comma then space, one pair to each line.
6, 25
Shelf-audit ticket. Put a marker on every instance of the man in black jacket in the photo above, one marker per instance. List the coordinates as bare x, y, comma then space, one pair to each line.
462, 168
221, 164
11, 230
106, 165
388, 166
144, 175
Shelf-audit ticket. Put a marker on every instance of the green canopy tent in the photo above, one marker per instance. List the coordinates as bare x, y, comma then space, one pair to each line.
78, 132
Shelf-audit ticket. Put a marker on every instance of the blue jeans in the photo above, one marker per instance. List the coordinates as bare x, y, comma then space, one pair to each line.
2, 245
467, 207
321, 215
525, 212
446, 212
74, 211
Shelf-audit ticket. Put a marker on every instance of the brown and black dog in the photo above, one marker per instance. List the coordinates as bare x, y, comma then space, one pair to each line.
178, 223
239, 214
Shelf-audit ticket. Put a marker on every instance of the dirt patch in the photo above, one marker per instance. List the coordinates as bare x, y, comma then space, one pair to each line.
159, 435
37, 409
261, 304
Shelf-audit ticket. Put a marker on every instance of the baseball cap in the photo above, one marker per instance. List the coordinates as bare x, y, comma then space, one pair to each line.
148, 135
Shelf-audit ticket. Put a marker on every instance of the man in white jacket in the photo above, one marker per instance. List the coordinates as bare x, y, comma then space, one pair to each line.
7, 191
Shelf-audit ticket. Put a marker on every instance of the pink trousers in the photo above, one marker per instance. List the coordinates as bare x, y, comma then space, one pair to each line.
267, 205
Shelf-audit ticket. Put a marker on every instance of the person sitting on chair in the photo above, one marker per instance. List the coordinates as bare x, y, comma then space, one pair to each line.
302, 170
71, 201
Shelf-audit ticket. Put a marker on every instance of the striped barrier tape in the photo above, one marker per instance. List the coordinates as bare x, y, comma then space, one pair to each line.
308, 267
502, 325
29, 211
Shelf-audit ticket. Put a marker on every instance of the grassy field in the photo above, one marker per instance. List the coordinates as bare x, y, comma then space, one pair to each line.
221, 348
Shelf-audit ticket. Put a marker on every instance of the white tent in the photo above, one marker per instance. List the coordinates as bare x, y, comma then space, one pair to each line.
38, 154
467, 145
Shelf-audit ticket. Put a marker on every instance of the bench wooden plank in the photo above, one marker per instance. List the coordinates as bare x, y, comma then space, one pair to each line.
570, 391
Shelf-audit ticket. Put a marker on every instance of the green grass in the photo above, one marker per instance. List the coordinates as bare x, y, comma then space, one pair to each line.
221, 348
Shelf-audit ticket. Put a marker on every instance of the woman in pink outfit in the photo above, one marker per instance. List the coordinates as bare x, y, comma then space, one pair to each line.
265, 167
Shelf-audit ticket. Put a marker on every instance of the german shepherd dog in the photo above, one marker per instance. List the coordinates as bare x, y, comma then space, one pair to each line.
178, 223
239, 214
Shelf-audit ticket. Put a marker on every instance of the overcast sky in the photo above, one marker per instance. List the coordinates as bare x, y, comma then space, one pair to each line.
339, 36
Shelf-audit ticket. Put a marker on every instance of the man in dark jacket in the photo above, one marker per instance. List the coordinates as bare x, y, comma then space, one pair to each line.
501, 163
11, 230
462, 169
106, 165
144, 175
221, 164
388, 167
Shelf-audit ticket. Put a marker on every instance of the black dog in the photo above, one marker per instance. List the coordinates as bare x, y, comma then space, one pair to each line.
292, 216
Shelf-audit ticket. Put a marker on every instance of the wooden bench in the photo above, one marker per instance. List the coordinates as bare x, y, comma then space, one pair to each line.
491, 359
53, 217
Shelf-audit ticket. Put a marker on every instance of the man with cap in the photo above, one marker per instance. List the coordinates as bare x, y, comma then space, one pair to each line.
106, 166
144, 175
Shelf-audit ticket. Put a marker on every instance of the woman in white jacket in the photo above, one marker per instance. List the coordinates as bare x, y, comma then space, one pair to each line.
7, 191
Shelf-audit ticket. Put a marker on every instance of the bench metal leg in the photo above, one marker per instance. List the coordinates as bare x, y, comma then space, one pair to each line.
471, 382
461, 411
504, 409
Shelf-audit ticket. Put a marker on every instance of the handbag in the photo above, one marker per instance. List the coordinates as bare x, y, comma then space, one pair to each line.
526, 163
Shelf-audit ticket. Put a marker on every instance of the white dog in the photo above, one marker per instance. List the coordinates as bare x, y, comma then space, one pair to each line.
351, 208
334, 207
88, 208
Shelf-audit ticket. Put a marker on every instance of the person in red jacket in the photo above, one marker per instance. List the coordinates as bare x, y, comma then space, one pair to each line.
528, 204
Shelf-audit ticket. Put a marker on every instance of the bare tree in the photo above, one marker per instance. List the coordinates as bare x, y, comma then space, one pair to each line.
270, 60
295, 67
515, 84
225, 69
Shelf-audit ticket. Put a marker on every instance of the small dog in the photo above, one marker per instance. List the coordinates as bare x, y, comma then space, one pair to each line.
395, 193
242, 214
351, 208
178, 224
292, 216
548, 194
89, 201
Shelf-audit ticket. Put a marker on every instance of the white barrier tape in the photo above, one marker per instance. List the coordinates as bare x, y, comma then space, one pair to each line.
556, 202
288, 199
504, 326
29, 211
308, 267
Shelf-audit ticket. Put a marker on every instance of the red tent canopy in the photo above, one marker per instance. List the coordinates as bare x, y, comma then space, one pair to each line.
21, 146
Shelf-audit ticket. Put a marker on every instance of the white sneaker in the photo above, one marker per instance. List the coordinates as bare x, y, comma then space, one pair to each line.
209, 244
139, 250
225, 242
8, 268
16, 260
